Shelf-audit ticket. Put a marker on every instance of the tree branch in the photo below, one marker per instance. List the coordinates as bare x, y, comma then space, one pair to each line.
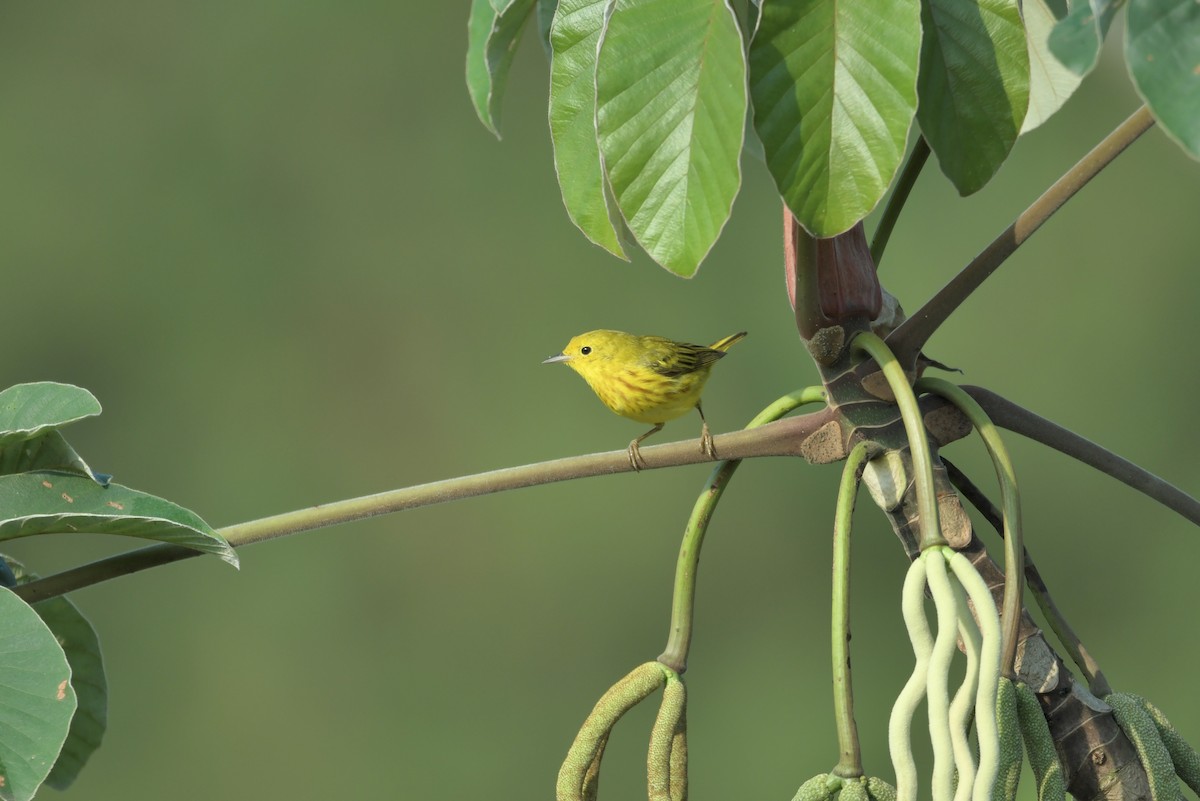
1015, 418
895, 202
908, 340
781, 438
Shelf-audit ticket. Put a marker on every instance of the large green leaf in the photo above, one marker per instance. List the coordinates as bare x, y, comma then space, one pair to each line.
37, 702
1051, 83
46, 502
834, 84
574, 41
544, 13
1162, 49
81, 646
974, 86
27, 410
47, 451
671, 108
1076, 39
492, 39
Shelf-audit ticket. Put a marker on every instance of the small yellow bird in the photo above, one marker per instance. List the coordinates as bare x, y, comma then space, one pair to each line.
648, 379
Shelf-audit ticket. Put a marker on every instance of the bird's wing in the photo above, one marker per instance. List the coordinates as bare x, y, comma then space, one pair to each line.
671, 359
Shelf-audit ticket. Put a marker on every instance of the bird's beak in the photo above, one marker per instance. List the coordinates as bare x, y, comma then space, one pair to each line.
562, 357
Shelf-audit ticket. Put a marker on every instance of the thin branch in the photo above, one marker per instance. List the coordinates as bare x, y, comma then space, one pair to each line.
1014, 551
781, 438
849, 764
1079, 653
908, 340
683, 595
895, 202
1009, 415
914, 429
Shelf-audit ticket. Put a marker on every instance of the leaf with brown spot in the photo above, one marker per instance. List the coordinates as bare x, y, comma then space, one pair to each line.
52, 503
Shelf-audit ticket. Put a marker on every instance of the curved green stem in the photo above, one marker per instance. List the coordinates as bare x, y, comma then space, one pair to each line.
918, 442
895, 202
1014, 551
1083, 659
937, 684
964, 699
986, 727
684, 594
849, 764
900, 721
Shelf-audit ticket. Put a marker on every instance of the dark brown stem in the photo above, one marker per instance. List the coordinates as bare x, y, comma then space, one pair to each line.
1007, 414
895, 202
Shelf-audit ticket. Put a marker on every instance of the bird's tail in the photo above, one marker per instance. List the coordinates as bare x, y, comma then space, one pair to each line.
728, 342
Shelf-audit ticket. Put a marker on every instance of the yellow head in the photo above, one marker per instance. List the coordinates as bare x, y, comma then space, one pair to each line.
596, 352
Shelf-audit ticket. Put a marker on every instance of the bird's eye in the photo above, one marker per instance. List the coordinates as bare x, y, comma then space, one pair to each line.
585, 350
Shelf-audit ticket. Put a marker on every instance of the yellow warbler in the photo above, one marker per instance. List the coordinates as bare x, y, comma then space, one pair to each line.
648, 379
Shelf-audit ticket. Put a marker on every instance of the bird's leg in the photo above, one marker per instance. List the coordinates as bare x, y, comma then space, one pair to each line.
706, 442
635, 457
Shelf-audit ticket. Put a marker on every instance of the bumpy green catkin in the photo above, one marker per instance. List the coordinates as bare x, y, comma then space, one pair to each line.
818, 788
580, 770
879, 790
1040, 746
659, 764
853, 790
1183, 756
1011, 752
1139, 728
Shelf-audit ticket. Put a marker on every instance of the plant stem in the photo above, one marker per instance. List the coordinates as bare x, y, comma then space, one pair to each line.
1097, 683
683, 596
895, 202
914, 428
910, 337
849, 764
1007, 414
1014, 552
781, 438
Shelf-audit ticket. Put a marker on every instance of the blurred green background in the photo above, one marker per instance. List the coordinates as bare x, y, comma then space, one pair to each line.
274, 241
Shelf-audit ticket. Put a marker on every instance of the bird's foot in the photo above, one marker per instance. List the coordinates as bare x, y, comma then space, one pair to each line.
635, 457
706, 443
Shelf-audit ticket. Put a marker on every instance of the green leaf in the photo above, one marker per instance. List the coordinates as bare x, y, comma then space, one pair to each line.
27, 410
492, 37
974, 86
834, 84
500, 6
82, 648
1051, 83
1162, 49
671, 108
1076, 39
47, 502
38, 698
47, 451
544, 12
574, 40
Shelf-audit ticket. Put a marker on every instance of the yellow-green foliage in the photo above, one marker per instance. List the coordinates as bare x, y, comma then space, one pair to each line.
1011, 751
853, 790
1138, 727
818, 788
1183, 756
879, 790
1040, 746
